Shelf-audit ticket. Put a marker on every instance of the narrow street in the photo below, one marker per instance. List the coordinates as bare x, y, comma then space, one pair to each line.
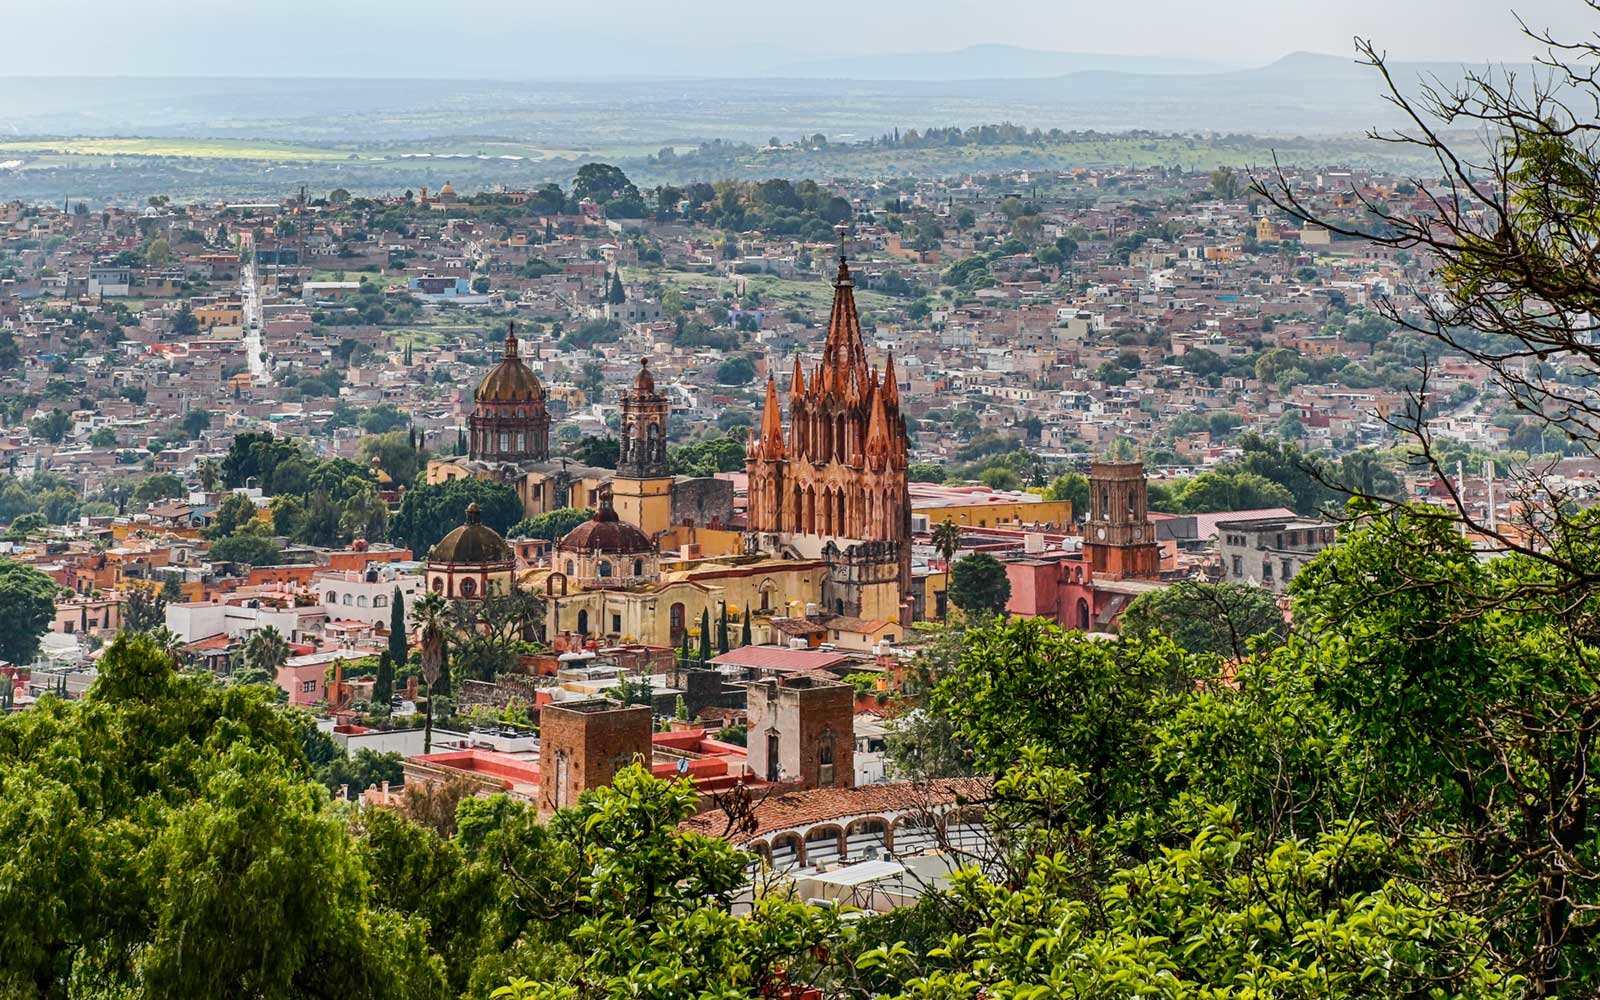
250, 295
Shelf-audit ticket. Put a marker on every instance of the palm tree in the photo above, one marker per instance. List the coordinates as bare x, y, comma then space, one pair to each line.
429, 616
267, 650
170, 645
946, 539
210, 473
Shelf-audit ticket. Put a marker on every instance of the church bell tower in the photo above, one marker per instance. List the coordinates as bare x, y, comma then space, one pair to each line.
642, 487
1119, 539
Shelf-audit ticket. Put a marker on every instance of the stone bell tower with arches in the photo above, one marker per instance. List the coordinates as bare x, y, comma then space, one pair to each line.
642, 488
1119, 539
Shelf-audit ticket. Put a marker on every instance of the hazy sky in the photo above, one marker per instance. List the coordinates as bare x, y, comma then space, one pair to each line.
539, 38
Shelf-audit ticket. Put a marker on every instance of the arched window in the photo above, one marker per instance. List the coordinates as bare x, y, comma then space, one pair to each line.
438, 585
675, 622
468, 587
638, 567
332, 598
347, 600
380, 601
361, 601
825, 760
603, 568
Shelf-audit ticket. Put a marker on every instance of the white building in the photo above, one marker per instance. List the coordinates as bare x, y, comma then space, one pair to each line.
191, 622
364, 595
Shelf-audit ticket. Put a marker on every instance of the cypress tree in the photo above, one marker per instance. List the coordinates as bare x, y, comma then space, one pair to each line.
398, 651
722, 629
744, 633
683, 654
383, 684
705, 635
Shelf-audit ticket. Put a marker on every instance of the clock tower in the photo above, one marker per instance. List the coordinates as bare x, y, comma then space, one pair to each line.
1119, 539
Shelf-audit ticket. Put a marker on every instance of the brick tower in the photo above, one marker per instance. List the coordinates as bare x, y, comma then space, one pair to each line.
582, 745
803, 729
1119, 539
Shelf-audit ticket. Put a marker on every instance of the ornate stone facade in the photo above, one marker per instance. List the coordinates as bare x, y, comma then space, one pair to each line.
643, 485
643, 453
841, 472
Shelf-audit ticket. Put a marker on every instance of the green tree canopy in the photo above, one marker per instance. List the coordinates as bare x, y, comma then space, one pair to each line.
159, 486
978, 585
1219, 618
707, 458
431, 511
27, 606
551, 525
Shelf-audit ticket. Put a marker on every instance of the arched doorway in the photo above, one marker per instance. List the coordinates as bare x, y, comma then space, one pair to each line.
867, 838
823, 844
787, 850
1083, 614
583, 622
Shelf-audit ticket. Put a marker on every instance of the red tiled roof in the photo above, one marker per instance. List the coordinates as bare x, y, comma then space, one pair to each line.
778, 658
789, 810
798, 627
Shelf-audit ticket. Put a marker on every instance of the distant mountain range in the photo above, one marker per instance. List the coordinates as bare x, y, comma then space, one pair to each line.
987, 62
1301, 94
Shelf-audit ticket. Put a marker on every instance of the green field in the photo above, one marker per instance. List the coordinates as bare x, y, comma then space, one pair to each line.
287, 152
205, 149
814, 297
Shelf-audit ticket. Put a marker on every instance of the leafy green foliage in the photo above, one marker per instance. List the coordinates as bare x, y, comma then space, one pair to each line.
1220, 914
707, 458
247, 547
1219, 618
550, 525
162, 821
978, 585
655, 904
27, 606
159, 486
431, 511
